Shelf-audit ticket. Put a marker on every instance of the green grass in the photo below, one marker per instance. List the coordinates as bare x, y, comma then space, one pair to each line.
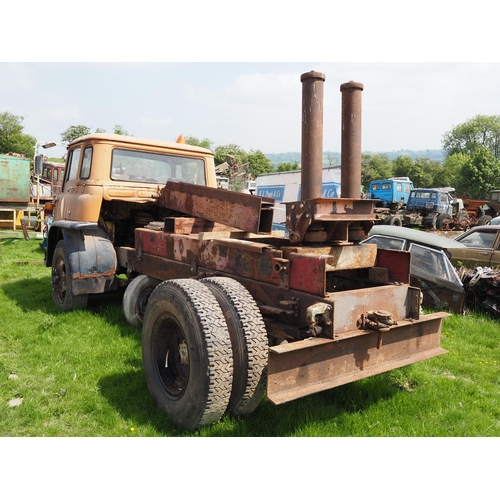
80, 374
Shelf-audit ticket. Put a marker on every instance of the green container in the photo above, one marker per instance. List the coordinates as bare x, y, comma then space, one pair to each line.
14, 179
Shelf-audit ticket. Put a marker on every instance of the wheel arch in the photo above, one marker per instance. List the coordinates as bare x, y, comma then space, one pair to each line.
92, 259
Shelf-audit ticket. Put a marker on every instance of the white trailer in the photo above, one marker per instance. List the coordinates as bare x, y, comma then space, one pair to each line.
286, 186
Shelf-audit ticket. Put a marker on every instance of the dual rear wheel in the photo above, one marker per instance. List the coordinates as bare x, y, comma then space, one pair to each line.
204, 350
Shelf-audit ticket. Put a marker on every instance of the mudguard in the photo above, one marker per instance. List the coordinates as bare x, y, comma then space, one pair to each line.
92, 258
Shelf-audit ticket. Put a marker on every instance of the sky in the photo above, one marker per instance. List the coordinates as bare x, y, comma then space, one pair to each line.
235, 79
254, 105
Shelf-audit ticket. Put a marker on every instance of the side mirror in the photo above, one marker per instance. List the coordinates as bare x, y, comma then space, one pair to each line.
38, 164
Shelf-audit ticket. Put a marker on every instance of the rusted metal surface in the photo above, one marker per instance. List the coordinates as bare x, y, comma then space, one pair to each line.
238, 257
305, 367
190, 225
308, 271
92, 261
312, 134
350, 181
397, 262
14, 179
329, 219
247, 212
25, 230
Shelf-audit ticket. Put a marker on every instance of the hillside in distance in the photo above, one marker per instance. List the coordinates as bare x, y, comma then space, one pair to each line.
333, 158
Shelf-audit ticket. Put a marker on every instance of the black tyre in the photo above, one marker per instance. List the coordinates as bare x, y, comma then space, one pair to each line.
430, 222
483, 220
186, 353
392, 221
440, 221
248, 340
62, 285
135, 298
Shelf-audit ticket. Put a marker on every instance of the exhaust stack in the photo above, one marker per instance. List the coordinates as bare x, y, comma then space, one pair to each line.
312, 135
350, 174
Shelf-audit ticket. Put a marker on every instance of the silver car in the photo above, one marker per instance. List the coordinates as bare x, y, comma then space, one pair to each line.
431, 269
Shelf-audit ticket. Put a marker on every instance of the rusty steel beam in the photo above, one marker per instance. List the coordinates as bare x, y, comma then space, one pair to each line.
335, 215
243, 258
309, 366
250, 213
312, 135
350, 173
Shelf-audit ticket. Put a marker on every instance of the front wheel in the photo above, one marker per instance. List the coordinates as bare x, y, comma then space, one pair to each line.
62, 284
186, 353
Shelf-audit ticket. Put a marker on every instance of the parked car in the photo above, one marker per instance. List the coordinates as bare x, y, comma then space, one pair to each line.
431, 269
482, 247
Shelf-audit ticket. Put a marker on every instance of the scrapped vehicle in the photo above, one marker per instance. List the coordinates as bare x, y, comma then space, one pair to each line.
435, 208
431, 269
230, 312
482, 248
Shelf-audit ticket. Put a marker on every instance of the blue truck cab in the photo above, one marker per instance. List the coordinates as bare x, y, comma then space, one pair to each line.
390, 192
440, 200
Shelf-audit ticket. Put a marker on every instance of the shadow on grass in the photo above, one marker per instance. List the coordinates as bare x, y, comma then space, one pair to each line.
322, 414
35, 294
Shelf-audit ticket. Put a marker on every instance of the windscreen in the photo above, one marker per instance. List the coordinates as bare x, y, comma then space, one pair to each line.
156, 168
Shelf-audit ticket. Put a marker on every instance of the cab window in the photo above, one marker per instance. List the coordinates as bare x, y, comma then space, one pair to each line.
86, 163
74, 160
157, 168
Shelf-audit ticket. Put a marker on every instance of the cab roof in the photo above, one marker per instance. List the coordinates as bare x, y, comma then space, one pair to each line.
139, 141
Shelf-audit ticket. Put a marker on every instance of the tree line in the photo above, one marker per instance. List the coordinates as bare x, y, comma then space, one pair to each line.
471, 164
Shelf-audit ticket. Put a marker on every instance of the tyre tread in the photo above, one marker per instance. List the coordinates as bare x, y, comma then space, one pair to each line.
255, 339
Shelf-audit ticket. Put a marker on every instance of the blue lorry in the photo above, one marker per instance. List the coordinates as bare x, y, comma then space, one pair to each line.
390, 193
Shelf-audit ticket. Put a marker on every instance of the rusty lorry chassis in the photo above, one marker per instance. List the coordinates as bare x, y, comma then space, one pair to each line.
346, 310
305, 313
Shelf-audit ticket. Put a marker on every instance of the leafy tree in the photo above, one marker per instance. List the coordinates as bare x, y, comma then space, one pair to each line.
204, 143
120, 130
423, 173
482, 131
258, 163
451, 171
230, 149
479, 174
374, 167
12, 138
403, 166
287, 166
73, 132
100, 131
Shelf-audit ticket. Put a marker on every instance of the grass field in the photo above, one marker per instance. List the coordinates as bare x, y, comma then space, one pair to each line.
80, 374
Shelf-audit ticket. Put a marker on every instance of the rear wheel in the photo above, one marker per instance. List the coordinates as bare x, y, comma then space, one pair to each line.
62, 284
135, 298
392, 220
441, 220
248, 340
186, 352
483, 220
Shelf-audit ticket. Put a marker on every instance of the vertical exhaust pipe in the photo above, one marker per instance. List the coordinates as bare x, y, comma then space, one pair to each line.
350, 174
312, 135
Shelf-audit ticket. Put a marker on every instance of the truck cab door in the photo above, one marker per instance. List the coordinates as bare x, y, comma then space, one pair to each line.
63, 205
73, 202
